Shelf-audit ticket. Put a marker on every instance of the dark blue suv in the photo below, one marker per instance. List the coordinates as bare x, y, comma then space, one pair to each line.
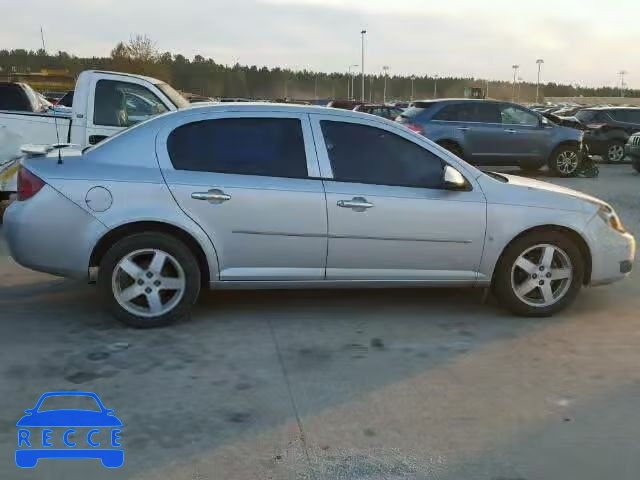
488, 132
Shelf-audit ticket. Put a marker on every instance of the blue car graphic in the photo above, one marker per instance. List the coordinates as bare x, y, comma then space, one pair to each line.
68, 418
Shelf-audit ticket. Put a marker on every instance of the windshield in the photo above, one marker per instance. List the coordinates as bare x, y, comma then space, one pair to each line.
178, 100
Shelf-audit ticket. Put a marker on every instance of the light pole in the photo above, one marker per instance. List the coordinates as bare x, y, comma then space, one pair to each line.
413, 77
384, 90
519, 86
315, 88
435, 86
539, 62
622, 73
515, 75
362, 33
371, 89
350, 80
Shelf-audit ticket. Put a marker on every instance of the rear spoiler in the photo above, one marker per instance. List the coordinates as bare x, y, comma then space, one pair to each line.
43, 149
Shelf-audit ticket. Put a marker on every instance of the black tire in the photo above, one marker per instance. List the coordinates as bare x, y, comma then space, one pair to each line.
502, 285
142, 241
635, 162
453, 147
556, 161
616, 146
531, 166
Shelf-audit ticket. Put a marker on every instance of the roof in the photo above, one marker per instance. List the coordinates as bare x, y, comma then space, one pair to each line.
143, 77
269, 107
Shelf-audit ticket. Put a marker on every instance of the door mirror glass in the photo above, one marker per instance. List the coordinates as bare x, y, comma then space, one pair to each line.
453, 179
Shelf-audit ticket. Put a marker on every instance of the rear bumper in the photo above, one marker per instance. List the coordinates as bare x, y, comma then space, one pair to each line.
612, 253
51, 234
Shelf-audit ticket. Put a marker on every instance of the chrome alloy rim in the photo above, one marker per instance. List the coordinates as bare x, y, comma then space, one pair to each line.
567, 162
542, 275
148, 283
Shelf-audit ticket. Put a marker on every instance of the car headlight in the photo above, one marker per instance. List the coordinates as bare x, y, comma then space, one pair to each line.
609, 216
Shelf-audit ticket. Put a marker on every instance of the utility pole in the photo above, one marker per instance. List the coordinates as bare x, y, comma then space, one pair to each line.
371, 89
362, 33
435, 86
539, 62
384, 91
515, 76
42, 38
622, 73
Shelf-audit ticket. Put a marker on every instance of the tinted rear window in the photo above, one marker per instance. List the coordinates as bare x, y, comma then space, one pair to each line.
247, 146
12, 98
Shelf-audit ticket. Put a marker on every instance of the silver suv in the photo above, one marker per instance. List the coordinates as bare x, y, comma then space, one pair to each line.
266, 195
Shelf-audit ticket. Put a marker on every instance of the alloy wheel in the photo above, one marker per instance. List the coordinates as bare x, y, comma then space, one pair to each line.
541, 275
148, 283
615, 153
567, 162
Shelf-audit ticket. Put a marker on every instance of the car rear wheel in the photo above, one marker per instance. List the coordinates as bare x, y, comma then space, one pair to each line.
565, 161
539, 274
149, 280
615, 152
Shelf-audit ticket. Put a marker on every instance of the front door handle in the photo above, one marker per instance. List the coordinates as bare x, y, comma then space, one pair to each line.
463, 129
357, 204
511, 130
215, 195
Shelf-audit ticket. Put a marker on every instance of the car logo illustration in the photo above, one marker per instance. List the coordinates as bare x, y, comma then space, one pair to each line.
33, 446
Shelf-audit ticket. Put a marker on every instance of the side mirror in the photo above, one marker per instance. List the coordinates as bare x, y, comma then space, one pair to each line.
453, 179
544, 122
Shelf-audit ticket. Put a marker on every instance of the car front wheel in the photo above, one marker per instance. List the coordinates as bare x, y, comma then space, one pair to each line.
149, 280
565, 161
539, 274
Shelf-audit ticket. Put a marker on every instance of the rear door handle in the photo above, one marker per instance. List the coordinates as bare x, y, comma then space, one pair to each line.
215, 195
357, 204
511, 130
463, 129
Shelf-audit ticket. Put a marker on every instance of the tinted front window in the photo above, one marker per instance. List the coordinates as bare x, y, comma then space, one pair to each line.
67, 99
627, 116
513, 115
247, 146
363, 154
12, 98
487, 113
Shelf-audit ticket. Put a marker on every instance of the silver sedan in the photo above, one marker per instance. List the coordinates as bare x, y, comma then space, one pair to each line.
279, 196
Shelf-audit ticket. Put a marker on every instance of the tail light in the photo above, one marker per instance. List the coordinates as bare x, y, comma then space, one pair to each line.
28, 184
414, 128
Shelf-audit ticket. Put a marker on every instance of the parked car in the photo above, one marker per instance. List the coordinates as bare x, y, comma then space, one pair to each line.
20, 97
607, 130
632, 150
344, 104
277, 196
101, 106
379, 110
488, 132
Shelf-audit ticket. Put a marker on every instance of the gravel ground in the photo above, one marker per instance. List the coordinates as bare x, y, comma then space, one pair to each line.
418, 384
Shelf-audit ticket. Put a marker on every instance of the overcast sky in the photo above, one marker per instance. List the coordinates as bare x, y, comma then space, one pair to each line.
581, 41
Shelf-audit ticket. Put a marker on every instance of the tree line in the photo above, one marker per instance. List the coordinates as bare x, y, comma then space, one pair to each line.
204, 76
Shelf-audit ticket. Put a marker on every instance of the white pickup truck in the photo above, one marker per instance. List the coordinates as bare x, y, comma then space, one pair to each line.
104, 103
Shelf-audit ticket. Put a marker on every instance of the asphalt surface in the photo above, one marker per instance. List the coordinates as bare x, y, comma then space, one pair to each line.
418, 384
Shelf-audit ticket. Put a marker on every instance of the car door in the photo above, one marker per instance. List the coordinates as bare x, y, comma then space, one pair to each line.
111, 108
526, 137
389, 217
479, 133
246, 179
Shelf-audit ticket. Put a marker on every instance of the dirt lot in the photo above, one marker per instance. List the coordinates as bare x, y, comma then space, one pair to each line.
340, 385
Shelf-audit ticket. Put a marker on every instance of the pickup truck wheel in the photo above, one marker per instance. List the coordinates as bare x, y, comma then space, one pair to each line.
565, 161
539, 274
149, 280
615, 151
